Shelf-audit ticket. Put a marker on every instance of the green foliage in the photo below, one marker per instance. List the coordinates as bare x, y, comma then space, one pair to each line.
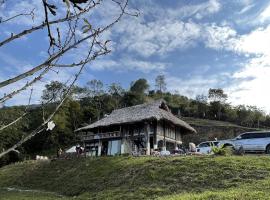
218, 150
217, 95
139, 87
221, 150
53, 91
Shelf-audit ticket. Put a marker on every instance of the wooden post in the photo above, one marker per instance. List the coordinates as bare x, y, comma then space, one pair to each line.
155, 145
122, 148
147, 137
164, 136
99, 143
175, 145
120, 130
99, 147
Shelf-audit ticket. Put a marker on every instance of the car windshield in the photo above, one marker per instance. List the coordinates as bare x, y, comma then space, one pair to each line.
238, 137
204, 144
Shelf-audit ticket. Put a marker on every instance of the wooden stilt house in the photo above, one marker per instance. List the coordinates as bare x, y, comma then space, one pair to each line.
139, 128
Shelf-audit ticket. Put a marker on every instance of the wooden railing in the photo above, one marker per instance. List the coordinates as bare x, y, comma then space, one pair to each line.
113, 134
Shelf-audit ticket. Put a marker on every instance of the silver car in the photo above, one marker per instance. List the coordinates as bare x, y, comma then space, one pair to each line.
206, 147
258, 141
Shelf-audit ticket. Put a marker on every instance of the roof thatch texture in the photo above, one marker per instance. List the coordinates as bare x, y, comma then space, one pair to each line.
155, 110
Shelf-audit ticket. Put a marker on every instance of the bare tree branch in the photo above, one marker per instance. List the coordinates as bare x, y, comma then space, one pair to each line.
10, 95
41, 26
20, 117
46, 6
32, 14
56, 55
77, 64
13, 122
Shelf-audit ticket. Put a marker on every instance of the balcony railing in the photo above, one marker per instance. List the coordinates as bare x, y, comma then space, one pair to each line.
106, 135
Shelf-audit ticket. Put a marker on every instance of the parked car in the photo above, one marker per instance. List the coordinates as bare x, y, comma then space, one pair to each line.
258, 141
206, 147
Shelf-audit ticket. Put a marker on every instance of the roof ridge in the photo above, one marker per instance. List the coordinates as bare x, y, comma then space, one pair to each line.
155, 102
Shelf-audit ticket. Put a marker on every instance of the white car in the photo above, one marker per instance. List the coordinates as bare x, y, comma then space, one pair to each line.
206, 147
258, 141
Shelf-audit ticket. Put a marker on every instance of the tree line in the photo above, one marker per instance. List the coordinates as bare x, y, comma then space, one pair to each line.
95, 100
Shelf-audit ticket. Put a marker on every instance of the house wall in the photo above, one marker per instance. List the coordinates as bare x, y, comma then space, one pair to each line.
171, 131
131, 133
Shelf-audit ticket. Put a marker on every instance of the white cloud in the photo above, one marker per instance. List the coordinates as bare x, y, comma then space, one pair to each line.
192, 85
244, 3
199, 10
157, 38
264, 15
254, 91
126, 64
162, 34
246, 9
213, 6
249, 85
219, 37
255, 45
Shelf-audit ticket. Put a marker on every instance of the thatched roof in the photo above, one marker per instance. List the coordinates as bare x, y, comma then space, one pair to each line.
156, 110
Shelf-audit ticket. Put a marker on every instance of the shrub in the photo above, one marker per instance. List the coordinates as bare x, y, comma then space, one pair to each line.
222, 151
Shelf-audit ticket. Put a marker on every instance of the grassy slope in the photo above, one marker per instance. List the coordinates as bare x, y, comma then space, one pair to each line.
140, 178
208, 122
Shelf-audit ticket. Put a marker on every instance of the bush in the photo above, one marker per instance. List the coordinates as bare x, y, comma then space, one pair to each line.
222, 151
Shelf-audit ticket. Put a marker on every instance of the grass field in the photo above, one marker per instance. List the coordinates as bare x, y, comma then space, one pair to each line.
246, 177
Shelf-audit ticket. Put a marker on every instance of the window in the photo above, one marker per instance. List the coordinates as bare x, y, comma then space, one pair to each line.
255, 135
246, 136
205, 144
114, 147
258, 135
261, 135
170, 132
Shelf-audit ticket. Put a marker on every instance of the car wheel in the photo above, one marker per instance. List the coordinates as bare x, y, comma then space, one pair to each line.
267, 149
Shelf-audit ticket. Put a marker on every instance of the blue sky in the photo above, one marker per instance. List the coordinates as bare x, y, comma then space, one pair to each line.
196, 44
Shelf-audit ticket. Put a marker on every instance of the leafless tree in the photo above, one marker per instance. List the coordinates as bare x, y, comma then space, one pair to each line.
161, 83
78, 34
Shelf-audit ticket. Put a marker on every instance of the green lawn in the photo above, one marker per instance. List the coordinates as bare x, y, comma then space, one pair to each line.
246, 177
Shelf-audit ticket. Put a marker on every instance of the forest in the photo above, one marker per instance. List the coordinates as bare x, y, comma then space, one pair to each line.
93, 101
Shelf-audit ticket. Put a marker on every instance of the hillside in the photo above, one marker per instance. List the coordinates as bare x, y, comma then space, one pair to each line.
211, 129
245, 177
208, 122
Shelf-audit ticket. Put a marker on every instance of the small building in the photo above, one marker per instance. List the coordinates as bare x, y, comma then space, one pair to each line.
135, 129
